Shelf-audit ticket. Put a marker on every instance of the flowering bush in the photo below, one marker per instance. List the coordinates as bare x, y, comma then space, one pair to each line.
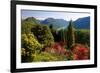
59, 48
80, 52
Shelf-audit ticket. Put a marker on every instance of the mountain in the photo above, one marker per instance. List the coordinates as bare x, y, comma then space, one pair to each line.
57, 23
32, 20
82, 23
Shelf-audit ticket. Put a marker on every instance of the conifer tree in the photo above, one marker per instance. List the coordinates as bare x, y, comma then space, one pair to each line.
70, 35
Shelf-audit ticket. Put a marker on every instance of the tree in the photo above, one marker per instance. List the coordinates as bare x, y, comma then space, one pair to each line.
61, 35
43, 34
82, 36
70, 35
26, 27
27, 24
55, 33
29, 46
51, 26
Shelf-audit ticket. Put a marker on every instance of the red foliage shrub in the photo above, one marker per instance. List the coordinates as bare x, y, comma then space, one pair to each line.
75, 56
62, 43
58, 48
80, 52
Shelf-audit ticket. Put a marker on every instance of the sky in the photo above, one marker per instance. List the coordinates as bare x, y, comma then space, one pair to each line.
41, 15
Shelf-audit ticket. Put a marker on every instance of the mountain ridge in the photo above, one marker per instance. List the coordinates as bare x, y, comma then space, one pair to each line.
80, 23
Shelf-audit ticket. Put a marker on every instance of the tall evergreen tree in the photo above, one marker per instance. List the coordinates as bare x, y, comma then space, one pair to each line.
70, 35
51, 26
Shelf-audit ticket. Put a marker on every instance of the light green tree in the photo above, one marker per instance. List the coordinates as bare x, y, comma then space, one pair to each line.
30, 45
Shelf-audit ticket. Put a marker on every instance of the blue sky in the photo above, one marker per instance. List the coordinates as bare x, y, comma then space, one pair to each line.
41, 15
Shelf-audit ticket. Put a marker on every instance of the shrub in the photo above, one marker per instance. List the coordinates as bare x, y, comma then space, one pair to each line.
80, 52
46, 57
29, 41
26, 56
29, 46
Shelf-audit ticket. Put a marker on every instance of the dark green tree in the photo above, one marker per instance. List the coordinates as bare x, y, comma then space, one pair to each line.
70, 35
43, 34
27, 24
82, 36
51, 26
54, 33
62, 35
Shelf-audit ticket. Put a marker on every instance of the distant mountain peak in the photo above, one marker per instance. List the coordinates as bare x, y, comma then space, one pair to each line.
82, 23
57, 23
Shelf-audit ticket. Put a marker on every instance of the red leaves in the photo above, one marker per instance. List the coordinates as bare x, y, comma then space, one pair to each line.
80, 52
57, 48
75, 56
77, 52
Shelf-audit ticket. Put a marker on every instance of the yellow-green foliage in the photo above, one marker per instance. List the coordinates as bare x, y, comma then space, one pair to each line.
29, 46
26, 56
26, 27
46, 57
29, 41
